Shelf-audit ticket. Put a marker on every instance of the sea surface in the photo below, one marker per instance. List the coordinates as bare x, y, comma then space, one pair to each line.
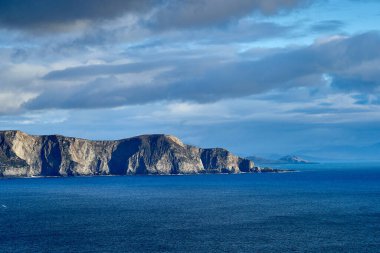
321, 208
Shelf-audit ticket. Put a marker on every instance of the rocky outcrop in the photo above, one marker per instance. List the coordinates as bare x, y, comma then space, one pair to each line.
54, 155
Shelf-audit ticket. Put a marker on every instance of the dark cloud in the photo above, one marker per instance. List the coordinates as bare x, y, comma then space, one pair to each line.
198, 80
47, 15
327, 26
203, 13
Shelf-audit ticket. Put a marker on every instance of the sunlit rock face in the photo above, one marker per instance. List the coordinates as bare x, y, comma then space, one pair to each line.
54, 155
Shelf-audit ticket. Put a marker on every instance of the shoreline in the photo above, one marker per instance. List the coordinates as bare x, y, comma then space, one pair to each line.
149, 175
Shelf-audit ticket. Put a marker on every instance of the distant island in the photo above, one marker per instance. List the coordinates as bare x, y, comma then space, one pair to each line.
288, 159
23, 155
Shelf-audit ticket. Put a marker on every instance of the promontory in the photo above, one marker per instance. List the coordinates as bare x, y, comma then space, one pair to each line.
23, 155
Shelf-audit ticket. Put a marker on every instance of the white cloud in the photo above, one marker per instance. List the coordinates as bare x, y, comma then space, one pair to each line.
11, 101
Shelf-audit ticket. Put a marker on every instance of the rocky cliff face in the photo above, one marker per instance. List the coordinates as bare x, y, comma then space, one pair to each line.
54, 155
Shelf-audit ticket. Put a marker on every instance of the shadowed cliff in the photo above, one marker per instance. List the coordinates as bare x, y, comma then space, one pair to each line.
54, 155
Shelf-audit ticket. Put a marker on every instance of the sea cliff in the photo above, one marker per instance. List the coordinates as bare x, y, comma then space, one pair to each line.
23, 155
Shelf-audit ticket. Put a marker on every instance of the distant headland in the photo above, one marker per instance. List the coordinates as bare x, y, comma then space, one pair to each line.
23, 155
288, 159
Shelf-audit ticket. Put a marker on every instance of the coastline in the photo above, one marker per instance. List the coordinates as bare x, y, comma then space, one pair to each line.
275, 171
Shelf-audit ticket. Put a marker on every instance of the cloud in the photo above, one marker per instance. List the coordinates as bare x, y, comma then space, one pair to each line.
61, 15
346, 64
327, 26
205, 13
99, 69
47, 15
19, 55
11, 101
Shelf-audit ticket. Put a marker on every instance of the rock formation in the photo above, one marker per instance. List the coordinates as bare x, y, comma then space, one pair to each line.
54, 155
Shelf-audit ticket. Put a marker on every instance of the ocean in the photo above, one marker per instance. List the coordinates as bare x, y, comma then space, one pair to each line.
321, 208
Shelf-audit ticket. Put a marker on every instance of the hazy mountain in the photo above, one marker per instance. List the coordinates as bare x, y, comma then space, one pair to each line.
344, 153
288, 159
292, 159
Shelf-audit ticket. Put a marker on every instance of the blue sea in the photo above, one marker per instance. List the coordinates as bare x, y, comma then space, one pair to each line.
321, 208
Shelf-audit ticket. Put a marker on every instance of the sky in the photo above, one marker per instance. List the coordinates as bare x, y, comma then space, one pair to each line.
258, 77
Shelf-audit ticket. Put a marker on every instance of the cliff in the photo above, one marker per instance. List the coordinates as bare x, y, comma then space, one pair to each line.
54, 155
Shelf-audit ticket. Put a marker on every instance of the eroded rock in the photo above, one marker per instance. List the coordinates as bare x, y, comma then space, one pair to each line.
54, 155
